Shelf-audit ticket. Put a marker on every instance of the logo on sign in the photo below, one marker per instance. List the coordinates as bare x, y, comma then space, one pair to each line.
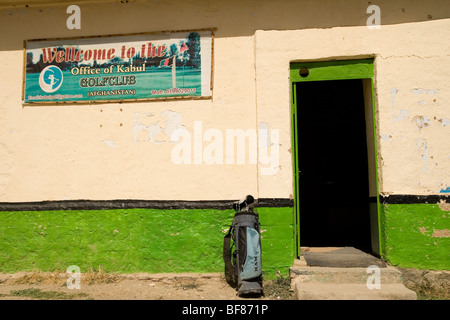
50, 79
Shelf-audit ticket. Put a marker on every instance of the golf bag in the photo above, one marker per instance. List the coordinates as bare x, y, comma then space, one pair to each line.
243, 266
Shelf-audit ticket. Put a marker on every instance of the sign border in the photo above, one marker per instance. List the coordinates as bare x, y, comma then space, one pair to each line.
89, 102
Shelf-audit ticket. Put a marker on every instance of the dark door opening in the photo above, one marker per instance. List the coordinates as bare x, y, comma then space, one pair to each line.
333, 164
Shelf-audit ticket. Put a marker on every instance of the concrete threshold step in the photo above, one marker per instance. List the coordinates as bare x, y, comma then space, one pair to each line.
344, 257
331, 283
352, 291
343, 275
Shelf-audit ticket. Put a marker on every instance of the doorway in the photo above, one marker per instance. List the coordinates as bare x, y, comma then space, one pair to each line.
336, 192
333, 170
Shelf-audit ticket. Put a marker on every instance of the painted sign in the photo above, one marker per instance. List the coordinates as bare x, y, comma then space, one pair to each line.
119, 68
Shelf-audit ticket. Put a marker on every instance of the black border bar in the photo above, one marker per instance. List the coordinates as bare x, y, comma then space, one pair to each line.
183, 204
135, 204
413, 199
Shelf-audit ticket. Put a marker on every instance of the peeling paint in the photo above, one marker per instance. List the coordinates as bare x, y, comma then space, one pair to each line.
421, 122
173, 122
444, 122
420, 91
403, 113
110, 143
141, 124
157, 129
441, 233
393, 92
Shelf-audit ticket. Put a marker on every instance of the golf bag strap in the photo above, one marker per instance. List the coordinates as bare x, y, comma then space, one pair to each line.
229, 269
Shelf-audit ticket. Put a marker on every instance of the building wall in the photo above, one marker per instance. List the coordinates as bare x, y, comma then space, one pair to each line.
135, 240
98, 152
416, 235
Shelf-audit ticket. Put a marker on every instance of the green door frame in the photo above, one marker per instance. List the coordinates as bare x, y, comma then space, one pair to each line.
322, 71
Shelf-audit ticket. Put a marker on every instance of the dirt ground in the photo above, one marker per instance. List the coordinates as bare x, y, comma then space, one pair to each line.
104, 286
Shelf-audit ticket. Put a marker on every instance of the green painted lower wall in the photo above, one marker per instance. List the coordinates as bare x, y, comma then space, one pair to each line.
416, 236
188, 240
135, 240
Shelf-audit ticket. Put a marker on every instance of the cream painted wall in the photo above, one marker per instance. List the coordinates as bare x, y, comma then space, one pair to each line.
412, 95
97, 152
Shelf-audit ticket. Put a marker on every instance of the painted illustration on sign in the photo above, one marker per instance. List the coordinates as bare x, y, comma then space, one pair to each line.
118, 68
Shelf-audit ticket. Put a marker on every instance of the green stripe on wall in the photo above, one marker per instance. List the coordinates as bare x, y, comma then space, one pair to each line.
277, 240
416, 236
134, 240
